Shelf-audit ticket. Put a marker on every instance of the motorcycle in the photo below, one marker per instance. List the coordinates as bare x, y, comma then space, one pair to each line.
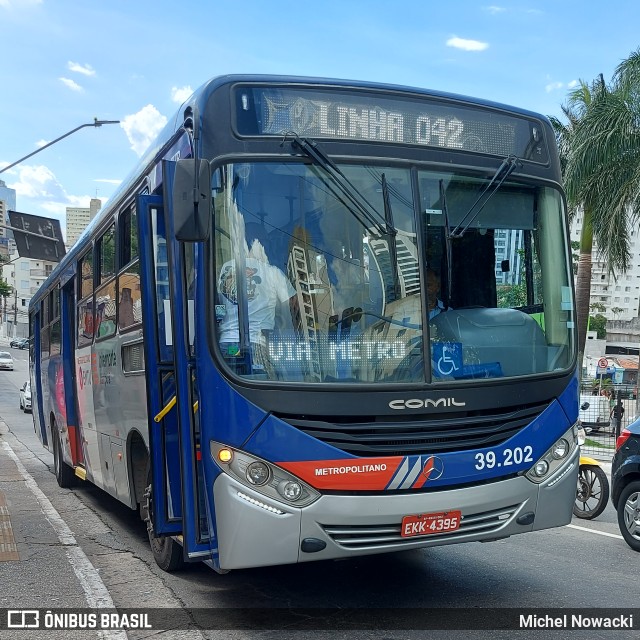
593, 485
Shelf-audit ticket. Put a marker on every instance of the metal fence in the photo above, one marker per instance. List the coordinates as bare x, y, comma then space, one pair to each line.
600, 418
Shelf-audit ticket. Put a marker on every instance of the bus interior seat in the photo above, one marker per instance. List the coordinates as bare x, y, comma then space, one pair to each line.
508, 337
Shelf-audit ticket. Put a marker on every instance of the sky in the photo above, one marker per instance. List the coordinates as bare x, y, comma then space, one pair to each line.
67, 62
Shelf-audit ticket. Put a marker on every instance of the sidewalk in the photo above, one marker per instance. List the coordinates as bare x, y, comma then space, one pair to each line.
41, 564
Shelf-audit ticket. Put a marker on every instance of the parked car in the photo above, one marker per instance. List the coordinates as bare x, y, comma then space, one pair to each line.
25, 397
20, 343
625, 484
6, 360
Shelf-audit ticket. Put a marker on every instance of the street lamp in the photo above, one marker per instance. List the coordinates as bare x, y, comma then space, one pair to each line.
95, 123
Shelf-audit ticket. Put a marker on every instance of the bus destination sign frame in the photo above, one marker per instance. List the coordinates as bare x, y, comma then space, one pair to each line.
343, 114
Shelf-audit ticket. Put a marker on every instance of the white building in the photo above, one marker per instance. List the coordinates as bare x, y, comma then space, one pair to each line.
619, 293
509, 244
78, 219
24, 275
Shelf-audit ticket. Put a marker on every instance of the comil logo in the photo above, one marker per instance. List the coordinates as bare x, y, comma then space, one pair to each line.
418, 403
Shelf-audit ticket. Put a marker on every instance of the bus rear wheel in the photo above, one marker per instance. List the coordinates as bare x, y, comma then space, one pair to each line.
65, 476
166, 551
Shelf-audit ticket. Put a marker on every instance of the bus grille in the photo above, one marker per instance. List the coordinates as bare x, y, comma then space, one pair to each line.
379, 436
378, 536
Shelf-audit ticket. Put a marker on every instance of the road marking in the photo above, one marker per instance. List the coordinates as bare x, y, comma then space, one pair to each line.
599, 533
95, 591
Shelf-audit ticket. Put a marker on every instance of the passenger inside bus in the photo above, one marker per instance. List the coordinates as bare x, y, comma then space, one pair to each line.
268, 295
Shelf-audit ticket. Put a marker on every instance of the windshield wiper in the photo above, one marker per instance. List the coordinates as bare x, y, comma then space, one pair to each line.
364, 208
391, 230
447, 239
507, 167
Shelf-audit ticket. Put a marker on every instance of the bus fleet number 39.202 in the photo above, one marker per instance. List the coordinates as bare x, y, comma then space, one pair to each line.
504, 458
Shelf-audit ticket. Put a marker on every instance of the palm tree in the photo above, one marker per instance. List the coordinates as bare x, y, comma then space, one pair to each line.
579, 103
601, 169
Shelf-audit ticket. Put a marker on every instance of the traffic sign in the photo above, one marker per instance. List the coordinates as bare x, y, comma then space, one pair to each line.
603, 363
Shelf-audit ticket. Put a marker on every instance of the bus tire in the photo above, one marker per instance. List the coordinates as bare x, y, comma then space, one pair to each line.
65, 476
166, 551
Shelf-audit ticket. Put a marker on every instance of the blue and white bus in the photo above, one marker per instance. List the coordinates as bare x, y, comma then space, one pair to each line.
321, 319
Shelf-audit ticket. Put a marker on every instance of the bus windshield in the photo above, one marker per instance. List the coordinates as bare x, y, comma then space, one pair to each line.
312, 287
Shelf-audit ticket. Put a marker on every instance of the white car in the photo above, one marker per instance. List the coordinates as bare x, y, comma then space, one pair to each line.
25, 397
6, 361
594, 412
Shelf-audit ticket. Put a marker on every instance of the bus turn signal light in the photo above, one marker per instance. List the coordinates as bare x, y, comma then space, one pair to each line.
225, 455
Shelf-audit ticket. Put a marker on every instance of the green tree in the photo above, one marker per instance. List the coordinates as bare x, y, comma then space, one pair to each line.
515, 295
6, 291
512, 296
575, 110
598, 323
575, 256
600, 158
605, 384
604, 166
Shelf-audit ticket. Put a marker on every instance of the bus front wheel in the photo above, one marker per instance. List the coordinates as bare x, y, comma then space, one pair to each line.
166, 551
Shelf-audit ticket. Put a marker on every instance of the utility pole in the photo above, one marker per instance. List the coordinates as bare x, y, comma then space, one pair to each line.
4, 317
15, 312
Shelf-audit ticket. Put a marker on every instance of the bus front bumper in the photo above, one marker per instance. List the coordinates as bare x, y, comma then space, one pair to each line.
254, 531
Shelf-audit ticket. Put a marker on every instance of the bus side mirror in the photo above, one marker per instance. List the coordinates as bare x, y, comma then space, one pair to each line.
191, 205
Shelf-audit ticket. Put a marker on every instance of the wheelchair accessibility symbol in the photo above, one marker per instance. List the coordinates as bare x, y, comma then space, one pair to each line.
447, 357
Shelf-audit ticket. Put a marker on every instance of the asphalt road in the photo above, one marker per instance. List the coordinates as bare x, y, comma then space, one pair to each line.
586, 565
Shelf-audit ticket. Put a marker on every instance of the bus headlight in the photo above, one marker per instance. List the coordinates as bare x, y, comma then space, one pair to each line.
541, 468
263, 476
290, 491
560, 449
258, 473
554, 457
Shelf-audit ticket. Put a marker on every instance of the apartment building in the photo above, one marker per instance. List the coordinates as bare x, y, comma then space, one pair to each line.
78, 218
618, 293
24, 275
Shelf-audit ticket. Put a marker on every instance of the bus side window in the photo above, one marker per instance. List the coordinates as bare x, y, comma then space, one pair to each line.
129, 303
85, 294
105, 298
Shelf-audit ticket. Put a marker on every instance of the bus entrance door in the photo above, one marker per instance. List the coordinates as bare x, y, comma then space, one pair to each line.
178, 500
65, 388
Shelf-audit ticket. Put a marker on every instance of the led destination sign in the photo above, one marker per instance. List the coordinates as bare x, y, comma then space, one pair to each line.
324, 113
